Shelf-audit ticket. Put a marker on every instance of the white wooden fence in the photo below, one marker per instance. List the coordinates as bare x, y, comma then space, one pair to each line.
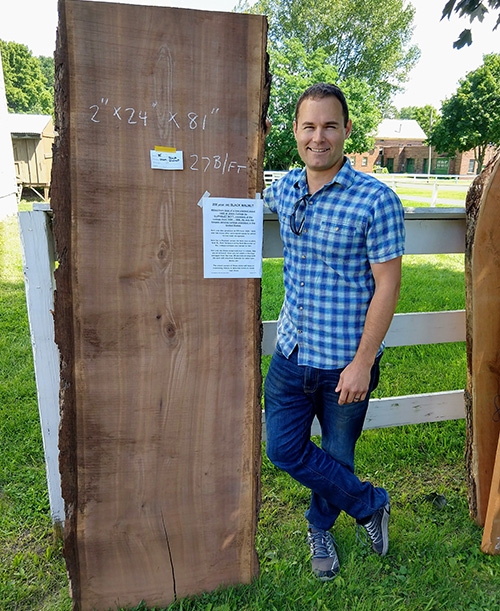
436, 188
429, 230
38, 267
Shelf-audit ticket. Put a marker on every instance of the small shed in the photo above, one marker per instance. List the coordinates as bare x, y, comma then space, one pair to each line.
32, 138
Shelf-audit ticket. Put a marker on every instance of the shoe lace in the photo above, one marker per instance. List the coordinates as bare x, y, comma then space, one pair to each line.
321, 544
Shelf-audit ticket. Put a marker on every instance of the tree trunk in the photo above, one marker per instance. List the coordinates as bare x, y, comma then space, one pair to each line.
160, 368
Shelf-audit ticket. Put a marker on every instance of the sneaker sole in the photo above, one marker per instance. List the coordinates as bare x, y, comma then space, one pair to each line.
385, 530
325, 577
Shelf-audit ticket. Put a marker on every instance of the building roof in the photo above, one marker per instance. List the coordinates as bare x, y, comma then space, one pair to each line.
400, 129
27, 124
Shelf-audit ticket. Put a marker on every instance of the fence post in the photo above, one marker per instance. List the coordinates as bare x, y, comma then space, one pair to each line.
38, 267
434, 194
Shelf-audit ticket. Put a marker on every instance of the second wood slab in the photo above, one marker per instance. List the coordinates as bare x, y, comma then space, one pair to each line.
483, 336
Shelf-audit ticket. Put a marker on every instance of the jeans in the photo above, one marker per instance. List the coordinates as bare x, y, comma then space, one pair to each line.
294, 394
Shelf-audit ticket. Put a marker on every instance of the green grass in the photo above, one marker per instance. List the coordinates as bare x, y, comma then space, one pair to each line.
427, 192
434, 562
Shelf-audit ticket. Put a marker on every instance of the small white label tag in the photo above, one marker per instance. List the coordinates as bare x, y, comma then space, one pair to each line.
161, 160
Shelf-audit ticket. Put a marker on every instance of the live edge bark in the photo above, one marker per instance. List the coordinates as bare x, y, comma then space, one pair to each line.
482, 270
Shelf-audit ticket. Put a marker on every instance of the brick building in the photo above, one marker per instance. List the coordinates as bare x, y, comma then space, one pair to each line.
399, 147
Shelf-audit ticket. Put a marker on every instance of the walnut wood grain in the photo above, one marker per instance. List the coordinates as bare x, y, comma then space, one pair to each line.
160, 429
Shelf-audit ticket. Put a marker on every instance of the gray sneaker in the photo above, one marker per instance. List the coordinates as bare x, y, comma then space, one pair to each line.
377, 528
324, 560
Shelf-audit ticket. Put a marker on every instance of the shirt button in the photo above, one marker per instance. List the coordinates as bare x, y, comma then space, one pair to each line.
303, 256
301, 308
300, 331
301, 284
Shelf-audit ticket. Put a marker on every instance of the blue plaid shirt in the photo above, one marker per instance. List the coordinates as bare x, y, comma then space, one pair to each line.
351, 222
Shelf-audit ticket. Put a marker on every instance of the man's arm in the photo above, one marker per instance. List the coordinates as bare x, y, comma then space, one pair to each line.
355, 379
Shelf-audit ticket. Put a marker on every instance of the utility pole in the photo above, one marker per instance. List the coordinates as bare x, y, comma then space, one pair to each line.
430, 148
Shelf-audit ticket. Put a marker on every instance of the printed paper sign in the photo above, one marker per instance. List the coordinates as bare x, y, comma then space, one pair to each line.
232, 237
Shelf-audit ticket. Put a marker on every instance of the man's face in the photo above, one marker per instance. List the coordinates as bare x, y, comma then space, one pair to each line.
320, 134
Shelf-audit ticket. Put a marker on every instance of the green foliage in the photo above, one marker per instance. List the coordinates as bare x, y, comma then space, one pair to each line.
28, 85
367, 40
424, 115
470, 119
47, 66
293, 71
473, 9
362, 46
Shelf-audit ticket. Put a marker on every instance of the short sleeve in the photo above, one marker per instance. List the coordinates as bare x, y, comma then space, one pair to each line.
386, 233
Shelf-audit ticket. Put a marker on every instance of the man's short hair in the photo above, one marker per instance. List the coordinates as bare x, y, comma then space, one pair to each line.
320, 91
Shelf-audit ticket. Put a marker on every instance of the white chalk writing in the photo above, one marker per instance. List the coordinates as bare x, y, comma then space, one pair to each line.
216, 162
132, 116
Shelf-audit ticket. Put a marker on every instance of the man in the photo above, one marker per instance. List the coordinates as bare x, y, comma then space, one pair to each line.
343, 238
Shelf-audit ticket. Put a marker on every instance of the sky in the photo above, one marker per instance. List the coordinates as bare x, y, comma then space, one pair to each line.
434, 78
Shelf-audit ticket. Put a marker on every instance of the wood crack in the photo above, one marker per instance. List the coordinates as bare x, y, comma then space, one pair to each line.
172, 568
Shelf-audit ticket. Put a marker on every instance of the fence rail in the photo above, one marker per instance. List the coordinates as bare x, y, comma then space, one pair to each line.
428, 231
436, 186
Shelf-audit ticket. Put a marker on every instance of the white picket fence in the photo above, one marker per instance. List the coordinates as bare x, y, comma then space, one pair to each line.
429, 230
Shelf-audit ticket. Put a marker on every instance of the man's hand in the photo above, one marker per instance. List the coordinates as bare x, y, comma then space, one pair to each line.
354, 383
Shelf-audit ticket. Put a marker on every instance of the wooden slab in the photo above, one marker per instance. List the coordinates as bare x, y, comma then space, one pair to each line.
160, 431
483, 336
491, 535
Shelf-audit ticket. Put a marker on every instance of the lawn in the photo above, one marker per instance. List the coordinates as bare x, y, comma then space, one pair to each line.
434, 562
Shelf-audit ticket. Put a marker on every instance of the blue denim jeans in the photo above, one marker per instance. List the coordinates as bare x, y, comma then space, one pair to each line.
294, 395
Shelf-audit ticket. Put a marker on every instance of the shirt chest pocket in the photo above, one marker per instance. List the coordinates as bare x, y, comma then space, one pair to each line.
340, 245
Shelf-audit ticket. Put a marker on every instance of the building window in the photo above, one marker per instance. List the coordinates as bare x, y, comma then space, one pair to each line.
364, 162
353, 161
472, 166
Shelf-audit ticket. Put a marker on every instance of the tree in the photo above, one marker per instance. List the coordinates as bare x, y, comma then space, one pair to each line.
363, 47
293, 71
425, 116
470, 119
26, 87
474, 9
47, 66
367, 40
